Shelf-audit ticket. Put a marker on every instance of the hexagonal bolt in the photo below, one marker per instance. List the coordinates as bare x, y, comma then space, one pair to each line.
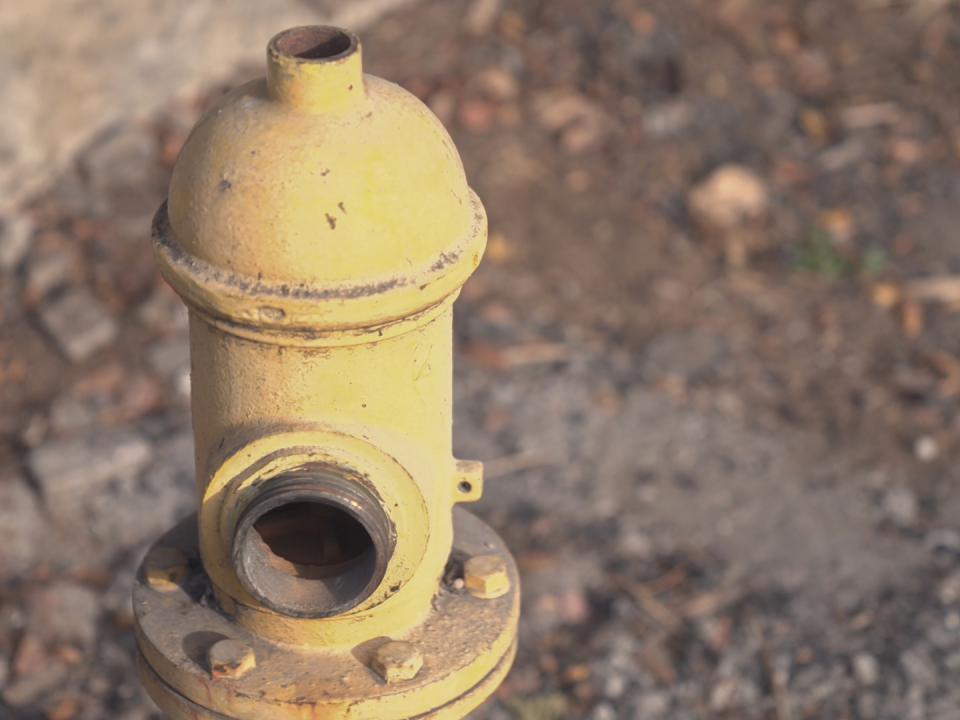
164, 567
397, 661
486, 576
230, 659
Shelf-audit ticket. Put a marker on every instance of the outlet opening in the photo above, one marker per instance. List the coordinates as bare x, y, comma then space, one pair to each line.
312, 543
313, 540
314, 42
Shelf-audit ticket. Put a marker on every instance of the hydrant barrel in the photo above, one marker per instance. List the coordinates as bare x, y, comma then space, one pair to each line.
319, 227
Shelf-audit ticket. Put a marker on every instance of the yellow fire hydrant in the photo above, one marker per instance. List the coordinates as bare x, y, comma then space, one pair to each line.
319, 227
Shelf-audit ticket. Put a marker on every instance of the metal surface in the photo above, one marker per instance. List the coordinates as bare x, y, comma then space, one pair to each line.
319, 227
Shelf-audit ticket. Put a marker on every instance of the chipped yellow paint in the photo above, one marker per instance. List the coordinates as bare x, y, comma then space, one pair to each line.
319, 227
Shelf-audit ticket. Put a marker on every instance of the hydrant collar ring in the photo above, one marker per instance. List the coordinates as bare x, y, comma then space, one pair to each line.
313, 543
304, 314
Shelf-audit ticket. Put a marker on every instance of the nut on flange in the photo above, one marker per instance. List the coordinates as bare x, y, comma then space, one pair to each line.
486, 576
230, 659
164, 567
397, 661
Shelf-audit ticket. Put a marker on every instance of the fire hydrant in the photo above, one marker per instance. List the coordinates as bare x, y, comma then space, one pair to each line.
319, 227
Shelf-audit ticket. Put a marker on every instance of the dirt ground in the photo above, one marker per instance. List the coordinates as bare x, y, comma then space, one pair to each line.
711, 361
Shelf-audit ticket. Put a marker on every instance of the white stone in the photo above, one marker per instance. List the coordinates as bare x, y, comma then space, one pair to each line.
71, 470
21, 525
730, 197
902, 507
604, 711
70, 68
866, 669
79, 324
926, 449
15, 234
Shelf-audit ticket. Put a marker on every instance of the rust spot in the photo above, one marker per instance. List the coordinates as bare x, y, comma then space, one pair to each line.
444, 260
325, 172
332, 221
342, 208
164, 238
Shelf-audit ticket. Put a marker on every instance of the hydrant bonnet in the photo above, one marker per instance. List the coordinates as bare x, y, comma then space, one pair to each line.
330, 199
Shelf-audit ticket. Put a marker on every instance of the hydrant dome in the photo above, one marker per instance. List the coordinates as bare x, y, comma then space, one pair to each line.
321, 186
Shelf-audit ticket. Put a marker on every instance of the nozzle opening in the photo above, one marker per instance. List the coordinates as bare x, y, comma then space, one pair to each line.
313, 539
315, 42
312, 543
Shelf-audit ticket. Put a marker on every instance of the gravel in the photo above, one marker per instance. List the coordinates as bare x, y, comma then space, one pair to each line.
79, 324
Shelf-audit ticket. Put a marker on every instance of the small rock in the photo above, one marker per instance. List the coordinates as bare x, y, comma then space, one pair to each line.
919, 667
812, 72
905, 151
65, 613
119, 166
901, 507
926, 449
163, 312
604, 711
948, 592
477, 115
31, 656
35, 430
15, 234
574, 607
21, 524
46, 271
69, 470
66, 709
497, 83
733, 693
728, 198
843, 155
866, 669
653, 705
443, 103
79, 324
69, 414
943, 539
864, 117
30, 688
868, 705
615, 686
667, 119
635, 544
580, 122
481, 16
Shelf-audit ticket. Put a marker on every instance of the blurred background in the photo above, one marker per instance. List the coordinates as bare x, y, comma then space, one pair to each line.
711, 359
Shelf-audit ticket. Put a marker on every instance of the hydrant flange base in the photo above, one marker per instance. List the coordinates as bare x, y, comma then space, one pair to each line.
467, 644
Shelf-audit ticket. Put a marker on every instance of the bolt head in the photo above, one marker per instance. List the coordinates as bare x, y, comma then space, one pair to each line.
486, 576
397, 661
164, 567
230, 659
